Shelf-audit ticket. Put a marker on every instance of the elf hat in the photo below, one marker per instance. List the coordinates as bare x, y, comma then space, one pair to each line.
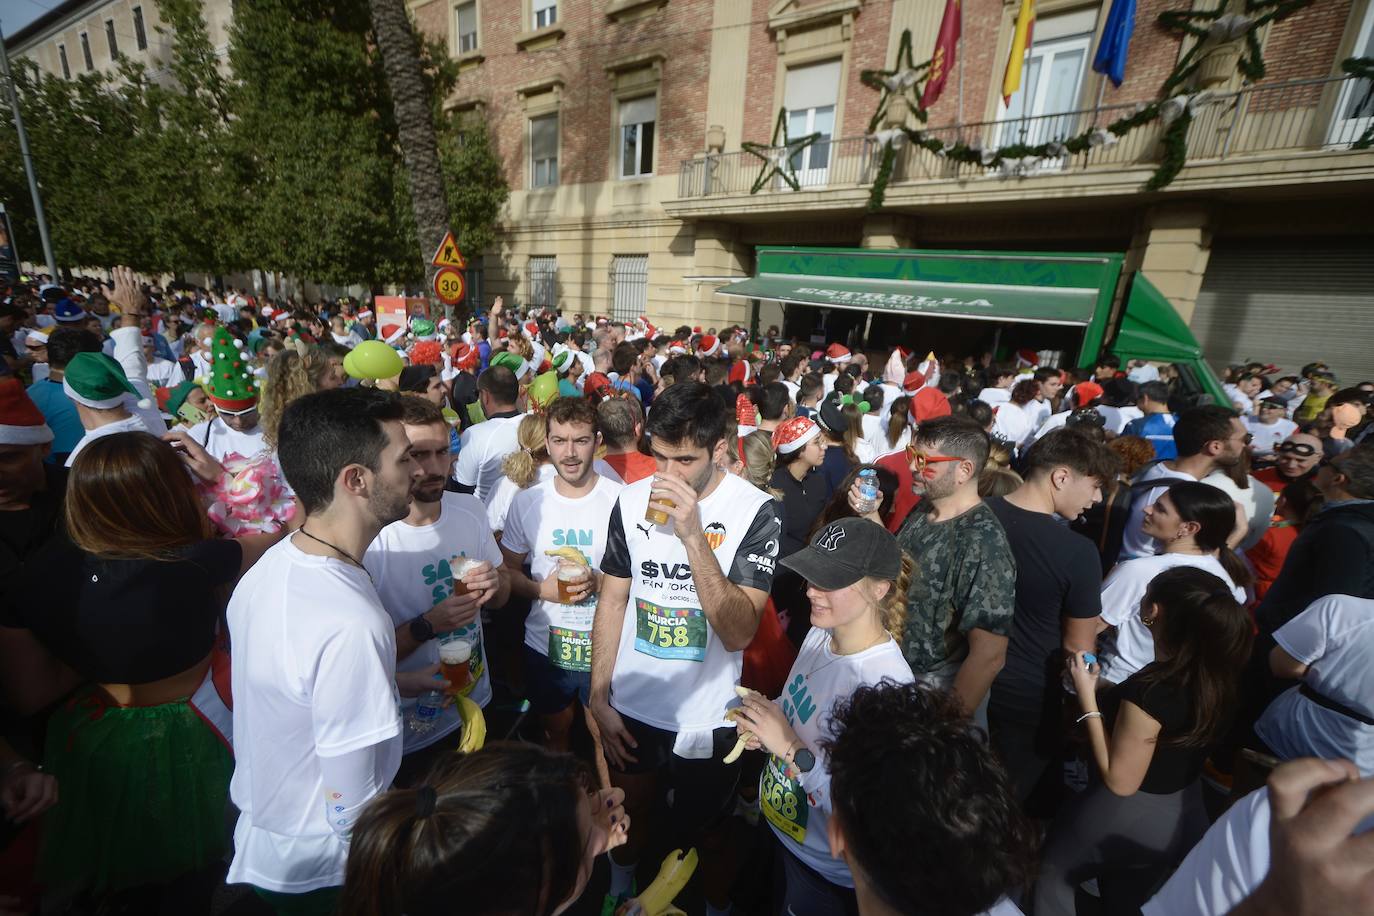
793, 434
837, 353
423, 329
231, 387
562, 358
709, 345
178, 395
97, 381
21, 423
68, 312
512, 361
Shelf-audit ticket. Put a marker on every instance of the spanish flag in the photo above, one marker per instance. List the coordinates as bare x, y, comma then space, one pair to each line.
1020, 43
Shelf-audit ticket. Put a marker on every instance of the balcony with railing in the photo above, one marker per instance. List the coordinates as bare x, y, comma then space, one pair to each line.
1319, 117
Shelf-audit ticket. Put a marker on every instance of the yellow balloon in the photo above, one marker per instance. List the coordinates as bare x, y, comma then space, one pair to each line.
373, 359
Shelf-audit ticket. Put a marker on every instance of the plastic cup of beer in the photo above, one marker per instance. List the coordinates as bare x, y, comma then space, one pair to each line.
654, 514
453, 659
460, 567
570, 576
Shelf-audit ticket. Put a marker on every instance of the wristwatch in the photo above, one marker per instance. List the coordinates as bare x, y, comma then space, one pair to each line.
803, 759
421, 630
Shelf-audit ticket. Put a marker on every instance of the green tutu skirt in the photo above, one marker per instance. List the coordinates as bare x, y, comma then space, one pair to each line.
141, 795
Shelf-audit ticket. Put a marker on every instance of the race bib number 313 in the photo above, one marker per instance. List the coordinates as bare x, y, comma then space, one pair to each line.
676, 633
570, 650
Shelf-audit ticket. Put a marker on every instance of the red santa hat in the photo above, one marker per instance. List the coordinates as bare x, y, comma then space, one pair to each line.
1027, 358
531, 328
709, 345
21, 423
391, 333
793, 434
465, 357
928, 404
364, 313
677, 348
837, 353
1084, 393
746, 415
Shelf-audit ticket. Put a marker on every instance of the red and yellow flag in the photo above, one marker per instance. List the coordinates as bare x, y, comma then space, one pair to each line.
1020, 42
946, 49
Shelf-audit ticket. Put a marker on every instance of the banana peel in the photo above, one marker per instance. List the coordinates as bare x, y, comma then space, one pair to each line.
730, 715
474, 726
571, 554
657, 899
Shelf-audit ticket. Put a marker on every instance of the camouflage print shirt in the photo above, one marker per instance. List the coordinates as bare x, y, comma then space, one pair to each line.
965, 578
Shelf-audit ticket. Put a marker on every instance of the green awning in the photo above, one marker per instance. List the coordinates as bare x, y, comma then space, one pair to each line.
1040, 288
1152, 329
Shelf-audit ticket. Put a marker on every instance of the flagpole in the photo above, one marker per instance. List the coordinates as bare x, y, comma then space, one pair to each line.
1101, 91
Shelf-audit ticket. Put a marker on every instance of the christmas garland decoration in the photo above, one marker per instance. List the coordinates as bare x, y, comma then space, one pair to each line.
1362, 68
1173, 108
777, 157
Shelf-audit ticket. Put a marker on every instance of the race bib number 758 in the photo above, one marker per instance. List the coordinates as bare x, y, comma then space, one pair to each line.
676, 633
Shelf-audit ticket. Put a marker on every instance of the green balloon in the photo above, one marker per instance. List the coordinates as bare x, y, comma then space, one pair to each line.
544, 389
373, 359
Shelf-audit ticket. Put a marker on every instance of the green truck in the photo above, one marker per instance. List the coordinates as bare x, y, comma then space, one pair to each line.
1073, 305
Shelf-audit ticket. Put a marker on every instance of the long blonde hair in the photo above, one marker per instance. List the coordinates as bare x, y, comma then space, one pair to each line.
522, 467
290, 375
892, 607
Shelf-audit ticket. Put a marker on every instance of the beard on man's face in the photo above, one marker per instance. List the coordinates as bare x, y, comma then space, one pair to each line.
429, 490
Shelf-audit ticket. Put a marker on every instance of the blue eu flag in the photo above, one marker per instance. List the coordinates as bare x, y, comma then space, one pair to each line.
1116, 41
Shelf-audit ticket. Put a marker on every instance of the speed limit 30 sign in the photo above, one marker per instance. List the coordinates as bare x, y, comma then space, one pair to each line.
450, 286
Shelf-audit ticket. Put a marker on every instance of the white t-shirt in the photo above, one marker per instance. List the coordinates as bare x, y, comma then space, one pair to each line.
1118, 417
202, 364
499, 504
1051, 423
1039, 411
1239, 399
314, 675
410, 564
163, 373
132, 424
671, 670
1134, 542
994, 396
484, 447
1268, 435
1335, 638
798, 809
1121, 593
1226, 865
541, 519
221, 441
793, 389
1011, 423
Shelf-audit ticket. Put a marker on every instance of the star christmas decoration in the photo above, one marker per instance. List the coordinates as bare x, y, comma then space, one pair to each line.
901, 80
777, 157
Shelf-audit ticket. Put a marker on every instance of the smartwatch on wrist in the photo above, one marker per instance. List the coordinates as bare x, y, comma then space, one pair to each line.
803, 759
421, 629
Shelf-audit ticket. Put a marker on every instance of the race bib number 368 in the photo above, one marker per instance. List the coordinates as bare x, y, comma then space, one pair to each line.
676, 633
783, 802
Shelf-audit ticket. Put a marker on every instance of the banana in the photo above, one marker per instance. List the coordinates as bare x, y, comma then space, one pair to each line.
657, 899
730, 715
571, 554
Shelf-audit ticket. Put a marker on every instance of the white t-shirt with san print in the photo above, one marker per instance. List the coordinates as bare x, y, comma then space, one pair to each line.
541, 519
410, 564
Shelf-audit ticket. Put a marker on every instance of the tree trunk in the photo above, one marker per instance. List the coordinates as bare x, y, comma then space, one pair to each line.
415, 128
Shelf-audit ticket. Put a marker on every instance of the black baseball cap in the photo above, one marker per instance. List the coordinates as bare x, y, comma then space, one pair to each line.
845, 551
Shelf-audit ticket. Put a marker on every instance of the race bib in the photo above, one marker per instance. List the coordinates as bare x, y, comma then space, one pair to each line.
782, 800
676, 633
570, 650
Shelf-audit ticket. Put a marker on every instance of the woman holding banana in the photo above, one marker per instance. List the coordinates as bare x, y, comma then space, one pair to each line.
857, 582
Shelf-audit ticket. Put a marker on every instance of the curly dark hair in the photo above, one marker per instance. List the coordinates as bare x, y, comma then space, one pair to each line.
910, 771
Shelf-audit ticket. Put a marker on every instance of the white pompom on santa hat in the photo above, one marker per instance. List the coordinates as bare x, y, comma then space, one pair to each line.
21, 423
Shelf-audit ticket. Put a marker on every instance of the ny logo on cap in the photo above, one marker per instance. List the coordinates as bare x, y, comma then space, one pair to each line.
830, 538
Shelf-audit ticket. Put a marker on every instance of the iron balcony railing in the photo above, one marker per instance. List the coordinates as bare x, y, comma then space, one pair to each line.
1317, 114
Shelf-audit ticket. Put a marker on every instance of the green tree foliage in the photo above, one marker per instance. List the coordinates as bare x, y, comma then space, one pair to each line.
282, 158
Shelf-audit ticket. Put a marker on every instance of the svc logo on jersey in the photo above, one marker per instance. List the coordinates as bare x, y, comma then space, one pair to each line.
830, 538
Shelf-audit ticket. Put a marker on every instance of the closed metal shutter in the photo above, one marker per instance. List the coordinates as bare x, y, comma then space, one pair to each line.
1290, 303
629, 286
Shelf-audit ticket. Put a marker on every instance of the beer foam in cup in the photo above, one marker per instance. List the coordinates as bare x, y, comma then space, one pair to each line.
455, 652
459, 567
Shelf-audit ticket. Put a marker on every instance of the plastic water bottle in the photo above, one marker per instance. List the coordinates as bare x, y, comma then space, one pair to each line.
869, 494
427, 709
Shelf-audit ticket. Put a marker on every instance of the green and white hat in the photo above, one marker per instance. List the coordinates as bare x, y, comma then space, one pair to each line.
231, 386
97, 381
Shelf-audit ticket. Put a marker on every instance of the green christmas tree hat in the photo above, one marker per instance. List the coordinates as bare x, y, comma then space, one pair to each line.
231, 387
